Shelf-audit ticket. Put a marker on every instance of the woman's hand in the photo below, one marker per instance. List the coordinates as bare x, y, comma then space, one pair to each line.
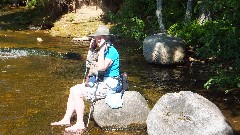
102, 45
103, 63
92, 44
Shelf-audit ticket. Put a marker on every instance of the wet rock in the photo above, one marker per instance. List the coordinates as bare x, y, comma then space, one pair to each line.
33, 27
72, 56
186, 113
39, 39
81, 39
163, 49
134, 112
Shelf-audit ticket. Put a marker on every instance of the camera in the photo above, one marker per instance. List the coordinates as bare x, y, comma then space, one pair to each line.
93, 44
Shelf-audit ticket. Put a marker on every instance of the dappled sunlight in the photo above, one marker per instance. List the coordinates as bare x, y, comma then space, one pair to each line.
177, 54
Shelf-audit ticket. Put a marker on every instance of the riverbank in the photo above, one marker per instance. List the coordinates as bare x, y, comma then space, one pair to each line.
82, 23
75, 24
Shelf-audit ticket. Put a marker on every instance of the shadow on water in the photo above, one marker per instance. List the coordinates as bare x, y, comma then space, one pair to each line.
18, 18
35, 82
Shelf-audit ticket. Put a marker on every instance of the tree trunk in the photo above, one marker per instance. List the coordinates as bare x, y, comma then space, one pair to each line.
188, 14
159, 16
204, 12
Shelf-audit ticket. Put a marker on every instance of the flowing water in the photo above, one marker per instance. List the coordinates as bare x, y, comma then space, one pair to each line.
36, 77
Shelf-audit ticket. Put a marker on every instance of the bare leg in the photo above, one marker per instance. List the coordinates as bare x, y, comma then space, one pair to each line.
79, 107
69, 111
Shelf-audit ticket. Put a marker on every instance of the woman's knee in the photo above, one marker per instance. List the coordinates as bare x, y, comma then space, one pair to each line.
76, 89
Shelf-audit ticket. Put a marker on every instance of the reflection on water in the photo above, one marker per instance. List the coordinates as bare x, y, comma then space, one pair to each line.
32, 94
34, 88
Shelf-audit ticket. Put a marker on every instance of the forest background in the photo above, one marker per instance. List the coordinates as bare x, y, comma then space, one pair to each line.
210, 28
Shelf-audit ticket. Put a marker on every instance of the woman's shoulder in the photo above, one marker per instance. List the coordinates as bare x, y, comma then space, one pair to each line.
111, 47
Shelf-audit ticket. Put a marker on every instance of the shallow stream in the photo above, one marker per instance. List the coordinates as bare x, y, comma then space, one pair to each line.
36, 77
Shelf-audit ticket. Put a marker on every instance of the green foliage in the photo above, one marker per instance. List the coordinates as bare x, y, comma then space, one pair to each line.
226, 10
130, 28
221, 42
190, 33
32, 3
226, 79
217, 39
130, 21
173, 11
137, 18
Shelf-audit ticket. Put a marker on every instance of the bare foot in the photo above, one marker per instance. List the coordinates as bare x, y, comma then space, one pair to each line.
61, 123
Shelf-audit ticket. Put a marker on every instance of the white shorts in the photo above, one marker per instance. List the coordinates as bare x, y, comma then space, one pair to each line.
99, 90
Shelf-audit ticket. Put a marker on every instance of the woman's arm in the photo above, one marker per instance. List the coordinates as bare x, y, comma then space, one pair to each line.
103, 63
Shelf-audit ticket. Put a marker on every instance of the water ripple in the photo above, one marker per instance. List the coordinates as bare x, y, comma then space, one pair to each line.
6, 53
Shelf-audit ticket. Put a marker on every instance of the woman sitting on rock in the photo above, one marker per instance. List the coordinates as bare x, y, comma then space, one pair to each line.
108, 64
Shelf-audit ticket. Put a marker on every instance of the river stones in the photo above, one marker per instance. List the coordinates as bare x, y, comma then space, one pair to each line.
133, 114
186, 113
163, 49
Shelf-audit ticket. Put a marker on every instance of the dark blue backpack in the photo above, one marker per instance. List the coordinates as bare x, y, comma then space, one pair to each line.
123, 83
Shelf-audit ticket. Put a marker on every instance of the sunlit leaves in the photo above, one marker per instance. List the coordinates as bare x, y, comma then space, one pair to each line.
130, 28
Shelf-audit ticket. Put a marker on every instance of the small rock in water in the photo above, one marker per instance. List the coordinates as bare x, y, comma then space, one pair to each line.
39, 39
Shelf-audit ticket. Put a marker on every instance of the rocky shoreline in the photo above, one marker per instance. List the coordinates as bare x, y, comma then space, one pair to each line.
82, 23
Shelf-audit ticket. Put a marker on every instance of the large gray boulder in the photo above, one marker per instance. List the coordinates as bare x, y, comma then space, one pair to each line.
163, 49
186, 113
133, 113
